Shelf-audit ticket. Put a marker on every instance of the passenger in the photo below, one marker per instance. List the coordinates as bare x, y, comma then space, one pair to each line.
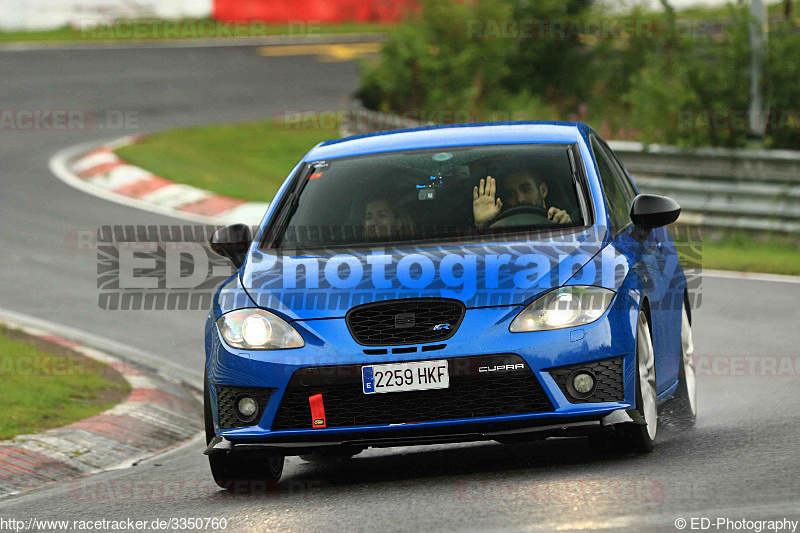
383, 222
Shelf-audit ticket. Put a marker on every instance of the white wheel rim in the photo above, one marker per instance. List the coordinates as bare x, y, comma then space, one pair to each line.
687, 356
647, 377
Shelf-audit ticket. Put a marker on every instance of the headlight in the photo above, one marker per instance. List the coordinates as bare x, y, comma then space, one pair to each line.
256, 329
563, 308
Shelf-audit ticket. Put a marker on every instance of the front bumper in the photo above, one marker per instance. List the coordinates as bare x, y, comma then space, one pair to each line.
609, 338
409, 436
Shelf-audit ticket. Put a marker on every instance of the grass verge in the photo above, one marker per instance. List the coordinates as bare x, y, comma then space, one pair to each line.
248, 160
251, 160
149, 30
740, 253
47, 386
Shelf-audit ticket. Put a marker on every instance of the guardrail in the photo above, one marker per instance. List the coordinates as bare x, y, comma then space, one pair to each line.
718, 188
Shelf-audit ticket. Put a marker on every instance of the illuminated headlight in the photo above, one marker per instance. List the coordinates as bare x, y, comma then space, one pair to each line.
564, 308
256, 329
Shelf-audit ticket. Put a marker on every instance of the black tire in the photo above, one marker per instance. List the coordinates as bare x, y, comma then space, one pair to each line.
636, 437
239, 473
642, 438
680, 412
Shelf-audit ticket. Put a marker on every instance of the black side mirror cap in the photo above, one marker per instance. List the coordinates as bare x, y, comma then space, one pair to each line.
649, 211
232, 242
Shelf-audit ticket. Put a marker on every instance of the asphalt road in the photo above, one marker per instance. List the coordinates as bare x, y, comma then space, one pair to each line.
740, 462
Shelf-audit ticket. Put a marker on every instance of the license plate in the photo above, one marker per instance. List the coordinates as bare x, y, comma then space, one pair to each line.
402, 377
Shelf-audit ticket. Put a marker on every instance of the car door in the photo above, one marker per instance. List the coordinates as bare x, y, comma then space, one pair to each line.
649, 260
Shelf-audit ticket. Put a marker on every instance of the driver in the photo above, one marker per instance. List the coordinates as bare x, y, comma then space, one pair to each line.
520, 188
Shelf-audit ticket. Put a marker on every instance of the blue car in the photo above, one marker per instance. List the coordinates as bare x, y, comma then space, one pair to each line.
497, 281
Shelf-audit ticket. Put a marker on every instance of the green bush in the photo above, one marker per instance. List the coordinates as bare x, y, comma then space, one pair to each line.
431, 66
781, 87
693, 86
556, 64
694, 89
686, 84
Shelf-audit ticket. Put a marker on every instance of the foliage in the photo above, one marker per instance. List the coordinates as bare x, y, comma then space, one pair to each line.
781, 84
437, 64
694, 86
687, 82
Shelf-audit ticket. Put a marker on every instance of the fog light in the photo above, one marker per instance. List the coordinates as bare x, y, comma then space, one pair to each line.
246, 407
583, 383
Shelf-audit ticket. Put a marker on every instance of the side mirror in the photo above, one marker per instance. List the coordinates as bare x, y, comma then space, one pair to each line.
650, 211
232, 242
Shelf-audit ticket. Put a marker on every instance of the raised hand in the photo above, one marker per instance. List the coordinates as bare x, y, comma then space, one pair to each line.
484, 205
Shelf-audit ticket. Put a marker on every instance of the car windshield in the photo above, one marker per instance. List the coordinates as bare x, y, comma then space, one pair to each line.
444, 194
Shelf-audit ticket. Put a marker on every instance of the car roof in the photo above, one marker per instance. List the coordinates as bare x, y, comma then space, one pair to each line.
440, 136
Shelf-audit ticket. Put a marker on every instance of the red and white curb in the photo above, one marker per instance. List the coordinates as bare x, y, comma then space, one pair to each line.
98, 171
159, 414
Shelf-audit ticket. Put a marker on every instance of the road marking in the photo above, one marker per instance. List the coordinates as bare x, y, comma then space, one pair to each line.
60, 165
750, 276
276, 40
325, 52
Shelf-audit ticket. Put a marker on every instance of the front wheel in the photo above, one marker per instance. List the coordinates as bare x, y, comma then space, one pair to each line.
242, 473
637, 437
239, 473
642, 438
680, 411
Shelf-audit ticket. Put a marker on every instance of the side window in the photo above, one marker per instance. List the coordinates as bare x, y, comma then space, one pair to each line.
618, 206
619, 170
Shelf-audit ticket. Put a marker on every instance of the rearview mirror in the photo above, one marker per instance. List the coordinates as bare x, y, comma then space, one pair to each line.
232, 242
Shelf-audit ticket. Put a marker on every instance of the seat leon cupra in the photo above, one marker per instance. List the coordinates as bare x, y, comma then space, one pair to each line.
497, 281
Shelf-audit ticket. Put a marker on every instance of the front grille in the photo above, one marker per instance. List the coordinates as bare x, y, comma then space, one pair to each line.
471, 394
608, 375
407, 321
226, 405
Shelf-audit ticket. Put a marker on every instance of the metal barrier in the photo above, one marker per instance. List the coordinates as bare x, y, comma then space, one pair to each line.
745, 189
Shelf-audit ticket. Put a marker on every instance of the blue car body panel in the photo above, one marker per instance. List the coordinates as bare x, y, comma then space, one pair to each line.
636, 271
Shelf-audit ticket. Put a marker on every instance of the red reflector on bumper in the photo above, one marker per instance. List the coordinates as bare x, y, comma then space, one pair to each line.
317, 411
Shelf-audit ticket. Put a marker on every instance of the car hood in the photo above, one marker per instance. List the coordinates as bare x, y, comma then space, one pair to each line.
303, 286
